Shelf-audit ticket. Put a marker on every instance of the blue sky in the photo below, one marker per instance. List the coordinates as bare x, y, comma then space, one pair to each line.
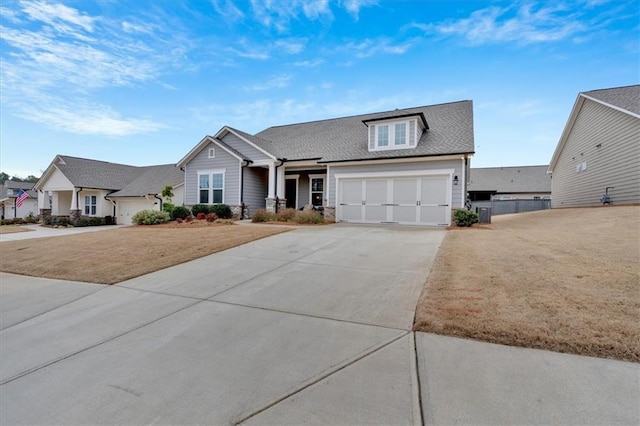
142, 82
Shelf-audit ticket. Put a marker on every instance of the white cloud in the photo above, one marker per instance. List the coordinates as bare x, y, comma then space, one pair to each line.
279, 13
227, 9
54, 54
309, 64
276, 82
526, 24
291, 46
371, 47
354, 6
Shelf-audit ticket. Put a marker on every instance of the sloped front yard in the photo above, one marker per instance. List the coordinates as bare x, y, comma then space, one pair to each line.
112, 256
566, 280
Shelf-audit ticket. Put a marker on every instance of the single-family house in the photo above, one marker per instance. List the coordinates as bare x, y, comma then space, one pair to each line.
597, 159
10, 207
76, 187
508, 183
406, 166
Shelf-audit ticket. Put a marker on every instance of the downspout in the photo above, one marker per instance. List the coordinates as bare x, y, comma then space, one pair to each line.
78, 198
464, 182
106, 197
159, 198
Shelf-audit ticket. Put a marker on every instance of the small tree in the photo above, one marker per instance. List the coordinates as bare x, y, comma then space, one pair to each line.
167, 193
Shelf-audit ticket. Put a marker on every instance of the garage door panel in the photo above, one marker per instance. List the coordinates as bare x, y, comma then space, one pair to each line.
404, 214
375, 214
376, 191
405, 191
351, 213
434, 190
433, 215
351, 191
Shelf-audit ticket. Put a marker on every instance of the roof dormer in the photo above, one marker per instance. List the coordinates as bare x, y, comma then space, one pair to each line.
395, 132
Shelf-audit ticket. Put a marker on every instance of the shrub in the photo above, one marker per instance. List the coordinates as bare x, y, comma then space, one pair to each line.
31, 218
56, 220
179, 220
189, 218
223, 211
150, 217
199, 208
180, 212
168, 207
465, 217
286, 215
262, 215
201, 215
308, 217
211, 217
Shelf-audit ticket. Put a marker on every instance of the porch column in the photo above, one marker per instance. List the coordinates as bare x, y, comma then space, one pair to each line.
272, 171
74, 212
280, 182
74, 200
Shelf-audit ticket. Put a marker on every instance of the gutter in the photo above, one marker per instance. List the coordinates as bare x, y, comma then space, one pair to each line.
282, 161
106, 197
78, 199
158, 198
395, 158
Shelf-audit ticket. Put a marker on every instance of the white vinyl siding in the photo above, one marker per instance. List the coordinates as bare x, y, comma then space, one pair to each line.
600, 151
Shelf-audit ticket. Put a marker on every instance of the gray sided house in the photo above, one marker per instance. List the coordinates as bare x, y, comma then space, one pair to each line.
507, 183
599, 150
76, 187
405, 166
9, 208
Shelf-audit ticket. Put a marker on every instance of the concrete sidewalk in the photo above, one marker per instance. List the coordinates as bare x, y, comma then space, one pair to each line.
37, 231
311, 326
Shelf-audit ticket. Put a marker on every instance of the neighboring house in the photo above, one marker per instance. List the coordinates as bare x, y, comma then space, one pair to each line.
75, 187
404, 166
8, 194
599, 151
507, 183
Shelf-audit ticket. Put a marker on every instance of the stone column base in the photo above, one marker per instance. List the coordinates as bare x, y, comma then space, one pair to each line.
270, 205
74, 215
282, 204
330, 213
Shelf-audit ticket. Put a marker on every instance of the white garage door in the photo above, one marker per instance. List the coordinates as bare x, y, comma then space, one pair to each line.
128, 207
413, 200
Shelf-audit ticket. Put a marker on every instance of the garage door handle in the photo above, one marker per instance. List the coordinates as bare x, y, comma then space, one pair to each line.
389, 204
443, 205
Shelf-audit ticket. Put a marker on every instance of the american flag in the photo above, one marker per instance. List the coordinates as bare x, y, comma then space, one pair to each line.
22, 195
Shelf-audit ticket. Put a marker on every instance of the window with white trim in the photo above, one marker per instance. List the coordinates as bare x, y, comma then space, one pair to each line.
393, 135
317, 190
211, 187
212, 153
90, 205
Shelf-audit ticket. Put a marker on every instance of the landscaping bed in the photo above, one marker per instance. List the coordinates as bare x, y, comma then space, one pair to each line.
566, 280
12, 229
116, 255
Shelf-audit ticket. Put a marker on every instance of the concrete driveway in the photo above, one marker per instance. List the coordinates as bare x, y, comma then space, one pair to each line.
312, 326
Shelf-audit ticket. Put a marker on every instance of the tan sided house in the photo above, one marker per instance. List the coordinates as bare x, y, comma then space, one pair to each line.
597, 160
76, 187
404, 166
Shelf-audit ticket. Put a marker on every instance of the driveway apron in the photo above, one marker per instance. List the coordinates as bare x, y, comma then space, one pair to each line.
311, 326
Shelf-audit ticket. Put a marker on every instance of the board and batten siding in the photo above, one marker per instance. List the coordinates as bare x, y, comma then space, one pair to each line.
202, 163
244, 148
456, 165
255, 188
607, 141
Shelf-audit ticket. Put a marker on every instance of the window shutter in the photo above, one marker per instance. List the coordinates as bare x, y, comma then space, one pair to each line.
412, 133
372, 137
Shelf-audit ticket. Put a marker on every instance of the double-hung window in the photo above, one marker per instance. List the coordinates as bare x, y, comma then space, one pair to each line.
317, 190
211, 187
391, 136
90, 205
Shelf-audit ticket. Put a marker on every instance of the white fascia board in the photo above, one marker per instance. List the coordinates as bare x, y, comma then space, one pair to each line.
617, 108
397, 160
403, 173
577, 106
225, 128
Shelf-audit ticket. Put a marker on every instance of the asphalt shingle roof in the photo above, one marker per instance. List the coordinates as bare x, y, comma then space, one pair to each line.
85, 173
16, 186
343, 139
510, 179
152, 180
627, 97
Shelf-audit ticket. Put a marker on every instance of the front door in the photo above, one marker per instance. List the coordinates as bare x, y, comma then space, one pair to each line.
291, 193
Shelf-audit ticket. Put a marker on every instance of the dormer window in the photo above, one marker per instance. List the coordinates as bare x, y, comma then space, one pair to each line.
401, 132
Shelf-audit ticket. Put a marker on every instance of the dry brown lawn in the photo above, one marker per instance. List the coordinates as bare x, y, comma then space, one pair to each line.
112, 256
12, 229
565, 280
